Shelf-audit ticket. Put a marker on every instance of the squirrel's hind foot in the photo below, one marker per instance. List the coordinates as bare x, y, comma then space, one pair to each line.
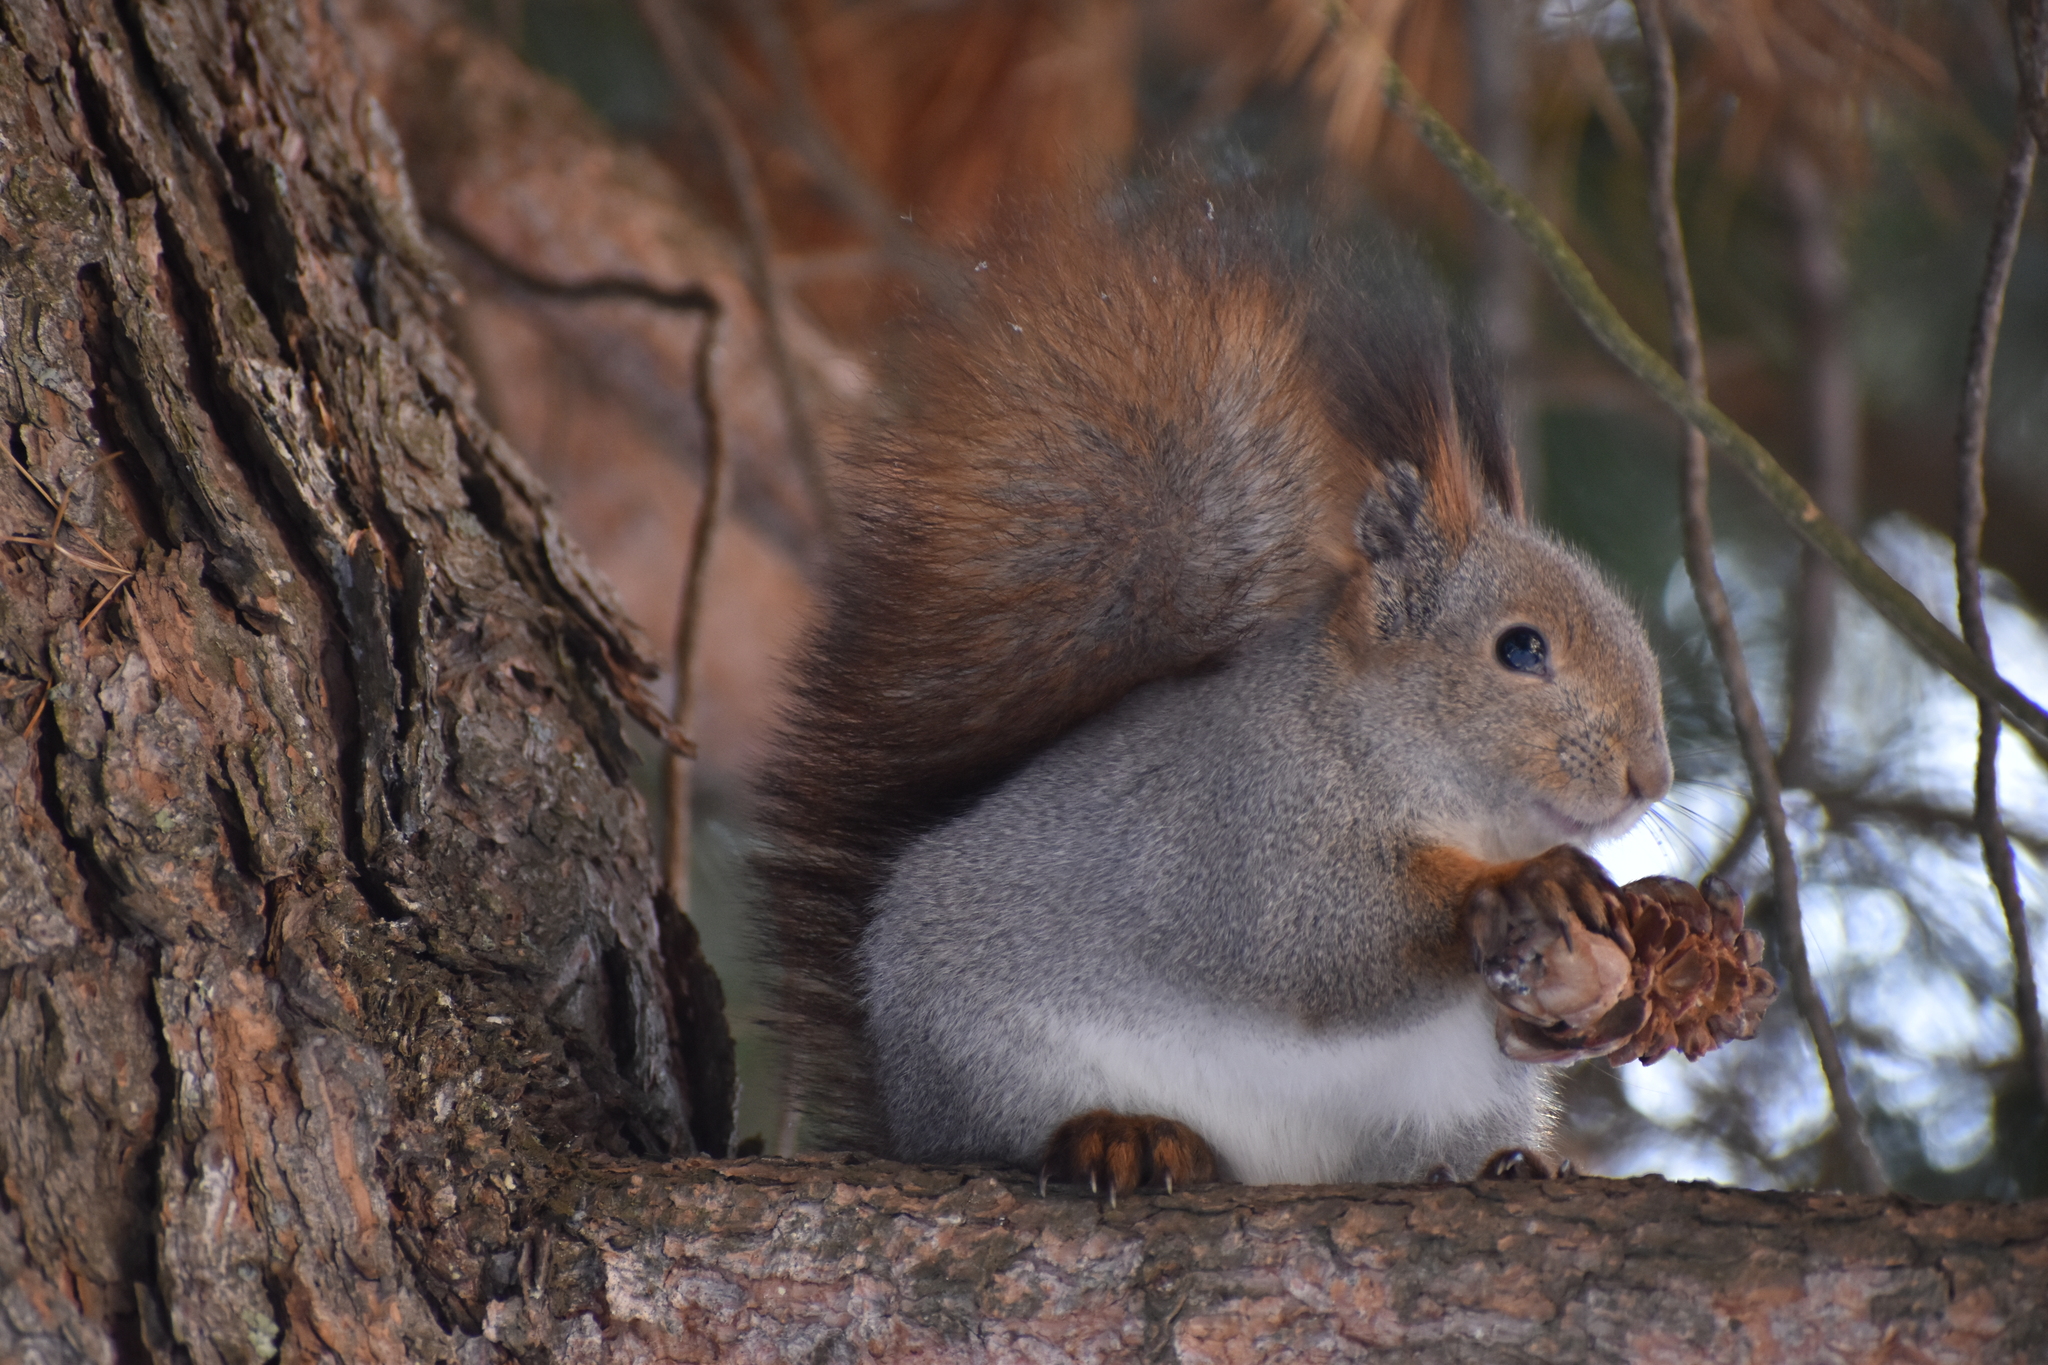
1525, 1163
1123, 1152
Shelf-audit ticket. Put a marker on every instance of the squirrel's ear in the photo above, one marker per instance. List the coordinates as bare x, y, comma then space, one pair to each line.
1392, 513
1399, 530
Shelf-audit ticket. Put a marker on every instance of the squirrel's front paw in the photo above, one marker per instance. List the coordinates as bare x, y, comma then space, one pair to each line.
1540, 934
1125, 1152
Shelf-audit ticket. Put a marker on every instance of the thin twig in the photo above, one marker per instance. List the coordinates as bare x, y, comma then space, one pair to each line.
109, 595
1854, 805
42, 703
692, 298
34, 482
1597, 312
104, 564
49, 543
679, 38
61, 506
1713, 599
1971, 426
675, 772
791, 1125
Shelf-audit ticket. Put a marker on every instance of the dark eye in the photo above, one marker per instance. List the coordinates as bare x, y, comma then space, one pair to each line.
1523, 649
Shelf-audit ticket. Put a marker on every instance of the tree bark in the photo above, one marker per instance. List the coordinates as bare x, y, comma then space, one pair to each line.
340, 1018
329, 924
825, 1259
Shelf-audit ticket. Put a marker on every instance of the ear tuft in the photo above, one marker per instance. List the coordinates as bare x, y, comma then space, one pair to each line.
1390, 518
1400, 528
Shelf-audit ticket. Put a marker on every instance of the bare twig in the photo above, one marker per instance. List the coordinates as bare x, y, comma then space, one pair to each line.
1971, 424
679, 38
108, 596
42, 703
1713, 599
1856, 805
104, 564
694, 298
1597, 312
791, 1126
61, 507
675, 773
49, 542
34, 482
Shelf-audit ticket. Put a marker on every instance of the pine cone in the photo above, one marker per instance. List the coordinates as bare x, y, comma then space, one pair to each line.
1693, 980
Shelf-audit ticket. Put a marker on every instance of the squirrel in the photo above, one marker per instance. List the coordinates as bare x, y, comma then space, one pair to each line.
1191, 696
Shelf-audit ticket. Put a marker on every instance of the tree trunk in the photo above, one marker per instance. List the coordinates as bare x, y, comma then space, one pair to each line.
329, 921
340, 1018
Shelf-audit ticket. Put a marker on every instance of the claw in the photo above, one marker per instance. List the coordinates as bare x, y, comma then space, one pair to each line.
1539, 936
1042, 1172
1116, 1153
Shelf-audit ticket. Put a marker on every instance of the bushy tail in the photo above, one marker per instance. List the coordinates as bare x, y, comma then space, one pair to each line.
1142, 438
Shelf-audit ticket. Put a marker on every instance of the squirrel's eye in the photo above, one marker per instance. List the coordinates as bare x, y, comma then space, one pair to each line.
1523, 649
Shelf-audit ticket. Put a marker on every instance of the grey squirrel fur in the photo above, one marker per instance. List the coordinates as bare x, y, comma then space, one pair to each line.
1158, 726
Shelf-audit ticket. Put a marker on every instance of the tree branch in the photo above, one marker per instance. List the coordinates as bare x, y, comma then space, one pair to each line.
675, 770
1971, 424
836, 1258
1713, 599
1890, 598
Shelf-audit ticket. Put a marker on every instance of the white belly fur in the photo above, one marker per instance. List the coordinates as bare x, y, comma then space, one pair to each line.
1285, 1105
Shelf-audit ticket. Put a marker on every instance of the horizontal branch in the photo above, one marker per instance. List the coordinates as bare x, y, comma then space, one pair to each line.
840, 1258
1887, 595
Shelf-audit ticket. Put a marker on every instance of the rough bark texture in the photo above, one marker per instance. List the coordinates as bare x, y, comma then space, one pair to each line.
589, 281
828, 1261
339, 1019
328, 924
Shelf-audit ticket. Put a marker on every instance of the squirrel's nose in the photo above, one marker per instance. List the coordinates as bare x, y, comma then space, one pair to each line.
1649, 778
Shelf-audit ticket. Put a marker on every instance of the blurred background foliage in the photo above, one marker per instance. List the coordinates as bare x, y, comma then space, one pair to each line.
1839, 162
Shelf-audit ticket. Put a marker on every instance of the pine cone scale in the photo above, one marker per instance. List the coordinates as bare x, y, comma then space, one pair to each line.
1693, 980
